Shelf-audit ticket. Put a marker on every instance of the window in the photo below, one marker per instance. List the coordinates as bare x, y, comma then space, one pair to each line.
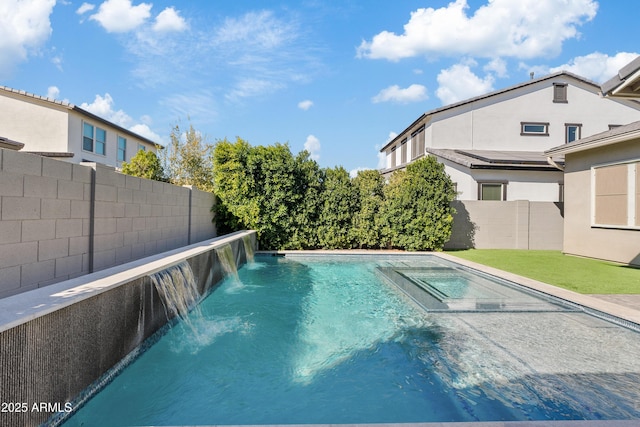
142, 147
560, 92
534, 128
492, 191
94, 139
572, 131
122, 149
87, 137
403, 152
393, 156
417, 143
101, 141
616, 195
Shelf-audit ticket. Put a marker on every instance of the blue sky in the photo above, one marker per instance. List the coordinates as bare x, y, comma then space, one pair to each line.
339, 78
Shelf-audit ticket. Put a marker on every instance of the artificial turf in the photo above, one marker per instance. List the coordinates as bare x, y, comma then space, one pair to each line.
583, 275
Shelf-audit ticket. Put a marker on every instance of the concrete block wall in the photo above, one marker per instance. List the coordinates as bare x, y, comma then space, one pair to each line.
44, 221
60, 220
521, 224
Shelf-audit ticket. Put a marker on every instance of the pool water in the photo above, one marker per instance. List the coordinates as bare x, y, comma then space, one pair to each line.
309, 339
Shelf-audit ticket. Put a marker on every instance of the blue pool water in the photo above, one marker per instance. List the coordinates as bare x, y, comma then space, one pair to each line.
307, 339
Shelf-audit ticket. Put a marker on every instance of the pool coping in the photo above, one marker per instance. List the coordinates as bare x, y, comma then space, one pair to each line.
588, 301
24, 307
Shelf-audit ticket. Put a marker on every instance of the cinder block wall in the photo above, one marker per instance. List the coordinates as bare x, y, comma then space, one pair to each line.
44, 221
521, 224
60, 220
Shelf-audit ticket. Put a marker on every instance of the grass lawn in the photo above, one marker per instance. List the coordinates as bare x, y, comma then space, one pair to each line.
586, 276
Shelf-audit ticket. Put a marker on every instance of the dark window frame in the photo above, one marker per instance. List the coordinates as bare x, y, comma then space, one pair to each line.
560, 93
503, 184
566, 131
523, 125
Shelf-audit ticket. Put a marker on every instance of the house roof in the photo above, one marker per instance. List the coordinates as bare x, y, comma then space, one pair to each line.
489, 95
494, 159
10, 144
626, 83
612, 136
81, 111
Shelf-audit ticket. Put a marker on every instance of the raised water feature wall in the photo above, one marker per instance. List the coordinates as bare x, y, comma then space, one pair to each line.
58, 340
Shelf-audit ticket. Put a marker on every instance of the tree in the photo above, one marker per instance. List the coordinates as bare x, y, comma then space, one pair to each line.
188, 159
145, 164
365, 226
417, 212
309, 185
339, 202
257, 186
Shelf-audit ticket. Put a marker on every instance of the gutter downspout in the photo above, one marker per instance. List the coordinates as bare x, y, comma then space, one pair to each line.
554, 164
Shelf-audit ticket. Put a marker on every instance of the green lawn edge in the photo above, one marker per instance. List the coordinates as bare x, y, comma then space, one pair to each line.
582, 275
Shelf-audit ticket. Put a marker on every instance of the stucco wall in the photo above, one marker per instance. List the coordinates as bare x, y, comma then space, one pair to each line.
28, 121
540, 186
494, 123
580, 238
60, 220
507, 225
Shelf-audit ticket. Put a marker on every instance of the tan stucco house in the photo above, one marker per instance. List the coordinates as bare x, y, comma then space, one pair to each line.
493, 145
58, 129
602, 184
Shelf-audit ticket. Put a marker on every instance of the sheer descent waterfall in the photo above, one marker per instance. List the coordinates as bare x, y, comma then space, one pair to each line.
248, 248
177, 288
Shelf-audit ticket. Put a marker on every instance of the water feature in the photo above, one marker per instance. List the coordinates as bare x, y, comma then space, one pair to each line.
328, 340
248, 248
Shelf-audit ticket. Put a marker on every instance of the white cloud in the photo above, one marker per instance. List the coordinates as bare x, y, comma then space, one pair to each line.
497, 66
24, 28
103, 106
597, 66
305, 105
522, 29
259, 29
144, 130
354, 172
413, 93
53, 92
312, 145
169, 20
84, 8
459, 82
120, 16
250, 87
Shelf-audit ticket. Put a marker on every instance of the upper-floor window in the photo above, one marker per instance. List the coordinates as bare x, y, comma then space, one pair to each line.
403, 152
393, 156
94, 139
142, 147
572, 132
560, 92
417, 143
534, 128
122, 149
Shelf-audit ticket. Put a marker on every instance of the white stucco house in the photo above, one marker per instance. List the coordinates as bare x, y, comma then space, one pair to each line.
493, 146
51, 128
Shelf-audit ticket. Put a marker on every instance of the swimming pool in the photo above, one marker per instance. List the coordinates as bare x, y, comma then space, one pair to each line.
332, 339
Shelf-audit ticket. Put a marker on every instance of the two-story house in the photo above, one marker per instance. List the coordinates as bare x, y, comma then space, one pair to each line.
61, 130
493, 145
